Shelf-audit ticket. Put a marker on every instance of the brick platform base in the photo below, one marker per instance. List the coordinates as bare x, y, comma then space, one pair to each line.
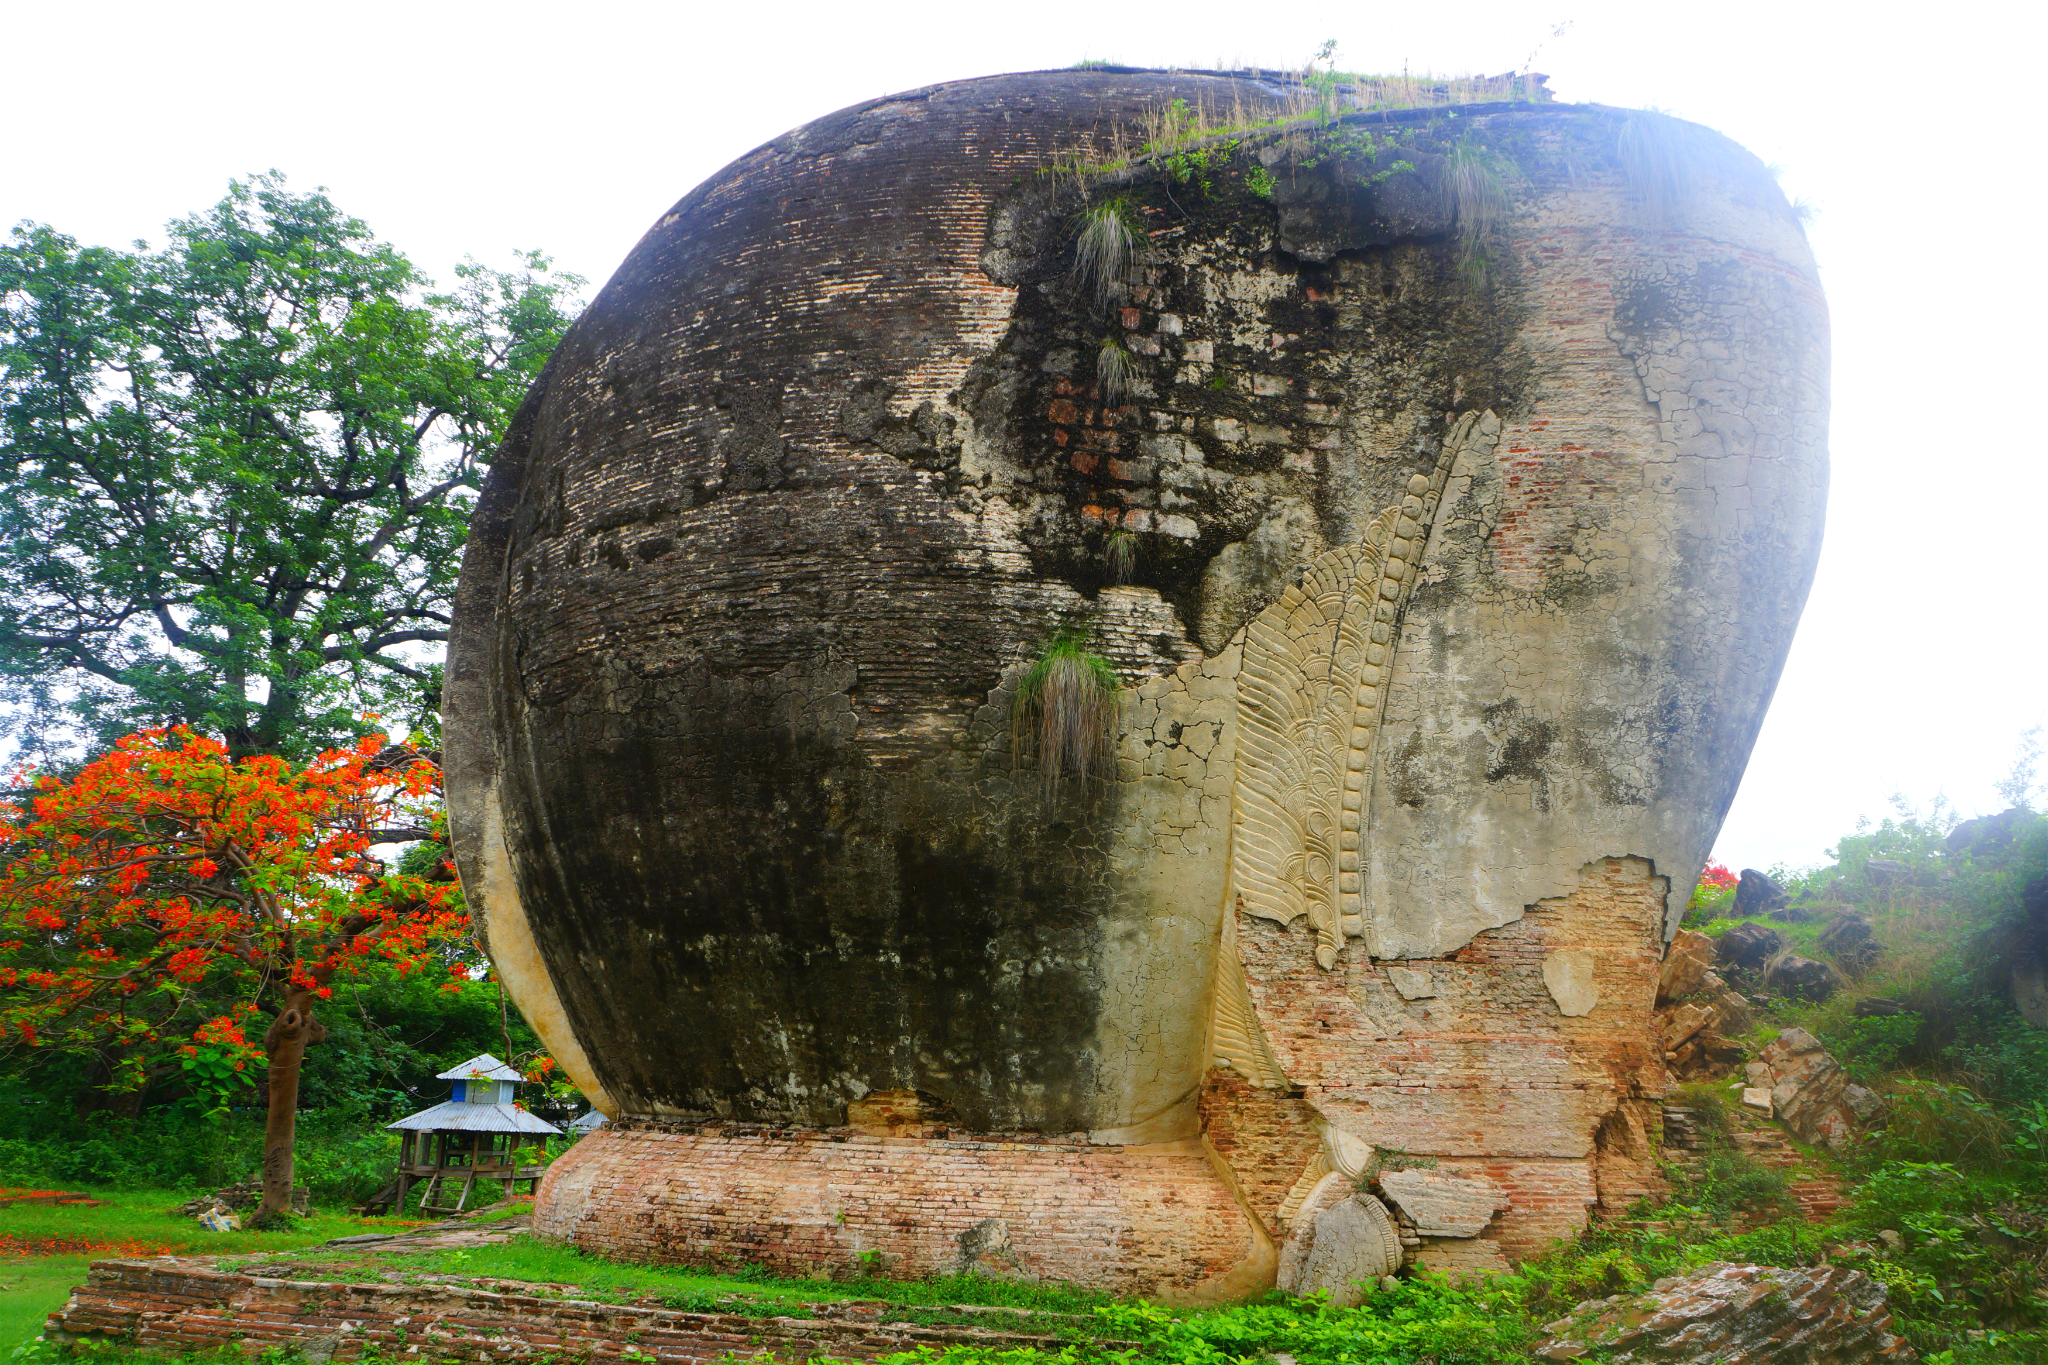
174, 1305
1155, 1221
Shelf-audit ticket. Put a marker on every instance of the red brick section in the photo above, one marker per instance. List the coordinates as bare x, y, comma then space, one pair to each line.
179, 1306
1485, 1074
1265, 1136
1150, 1221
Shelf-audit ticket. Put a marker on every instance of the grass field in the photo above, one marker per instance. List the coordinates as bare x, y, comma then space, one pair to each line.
45, 1248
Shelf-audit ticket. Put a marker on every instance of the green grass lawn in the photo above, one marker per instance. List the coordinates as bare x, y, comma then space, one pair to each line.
32, 1288
45, 1248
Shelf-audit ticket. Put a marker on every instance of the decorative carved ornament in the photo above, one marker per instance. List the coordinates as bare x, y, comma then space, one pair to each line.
1310, 697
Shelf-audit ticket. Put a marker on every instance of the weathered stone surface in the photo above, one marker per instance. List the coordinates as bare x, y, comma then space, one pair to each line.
1877, 1007
1700, 1031
1454, 611
1807, 977
1807, 1088
1568, 973
1412, 983
1851, 940
1707, 1053
1342, 1251
1442, 1205
1862, 1102
1757, 894
1748, 946
1724, 1314
1687, 964
1682, 1021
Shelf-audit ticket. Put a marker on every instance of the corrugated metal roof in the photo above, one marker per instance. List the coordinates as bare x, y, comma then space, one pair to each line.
475, 1118
588, 1122
483, 1066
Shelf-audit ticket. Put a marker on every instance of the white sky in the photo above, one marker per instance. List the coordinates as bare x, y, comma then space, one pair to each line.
471, 129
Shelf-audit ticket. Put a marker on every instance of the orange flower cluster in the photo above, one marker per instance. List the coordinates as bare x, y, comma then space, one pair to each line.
1718, 877
166, 866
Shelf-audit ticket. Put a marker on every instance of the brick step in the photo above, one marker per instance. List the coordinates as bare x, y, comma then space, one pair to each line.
1815, 1189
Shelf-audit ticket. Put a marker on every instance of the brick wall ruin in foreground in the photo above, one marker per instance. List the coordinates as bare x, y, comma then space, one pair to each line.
176, 1305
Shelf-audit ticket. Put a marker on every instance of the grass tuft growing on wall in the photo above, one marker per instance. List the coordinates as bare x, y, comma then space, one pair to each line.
1114, 366
1105, 248
1653, 150
1065, 712
1120, 555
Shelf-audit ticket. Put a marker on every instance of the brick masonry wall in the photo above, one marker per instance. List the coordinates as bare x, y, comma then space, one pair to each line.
174, 1305
1485, 1073
1153, 1221
1265, 1136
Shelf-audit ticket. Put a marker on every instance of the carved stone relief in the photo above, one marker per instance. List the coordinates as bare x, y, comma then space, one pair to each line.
1310, 696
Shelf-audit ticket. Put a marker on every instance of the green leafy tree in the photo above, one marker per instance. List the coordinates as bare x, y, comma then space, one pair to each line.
236, 473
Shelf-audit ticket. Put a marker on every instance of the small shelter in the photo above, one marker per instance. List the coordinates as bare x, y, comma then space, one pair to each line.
586, 1123
474, 1135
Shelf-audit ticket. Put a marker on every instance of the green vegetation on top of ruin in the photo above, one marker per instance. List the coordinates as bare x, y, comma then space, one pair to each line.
1369, 91
1327, 115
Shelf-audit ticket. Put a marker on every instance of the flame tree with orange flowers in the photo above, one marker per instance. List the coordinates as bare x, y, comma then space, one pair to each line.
166, 877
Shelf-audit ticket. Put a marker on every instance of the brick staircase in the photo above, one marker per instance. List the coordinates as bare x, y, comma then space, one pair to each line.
1809, 1180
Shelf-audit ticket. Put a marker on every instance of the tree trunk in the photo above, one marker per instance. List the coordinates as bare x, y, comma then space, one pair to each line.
285, 1045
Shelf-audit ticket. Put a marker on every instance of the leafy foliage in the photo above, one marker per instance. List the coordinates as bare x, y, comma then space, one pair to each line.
165, 863
235, 473
166, 877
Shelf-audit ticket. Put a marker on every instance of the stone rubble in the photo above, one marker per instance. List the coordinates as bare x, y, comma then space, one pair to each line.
1728, 1314
1700, 1016
1748, 946
1809, 1090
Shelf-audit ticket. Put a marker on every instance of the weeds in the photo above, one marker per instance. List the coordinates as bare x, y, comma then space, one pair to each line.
1105, 249
1114, 367
1065, 712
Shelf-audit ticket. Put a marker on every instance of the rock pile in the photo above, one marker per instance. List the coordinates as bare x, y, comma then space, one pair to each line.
1699, 1015
1748, 946
1725, 1314
244, 1196
1809, 1091
1756, 894
1809, 977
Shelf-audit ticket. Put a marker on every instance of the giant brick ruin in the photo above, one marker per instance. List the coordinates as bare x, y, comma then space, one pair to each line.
1442, 485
